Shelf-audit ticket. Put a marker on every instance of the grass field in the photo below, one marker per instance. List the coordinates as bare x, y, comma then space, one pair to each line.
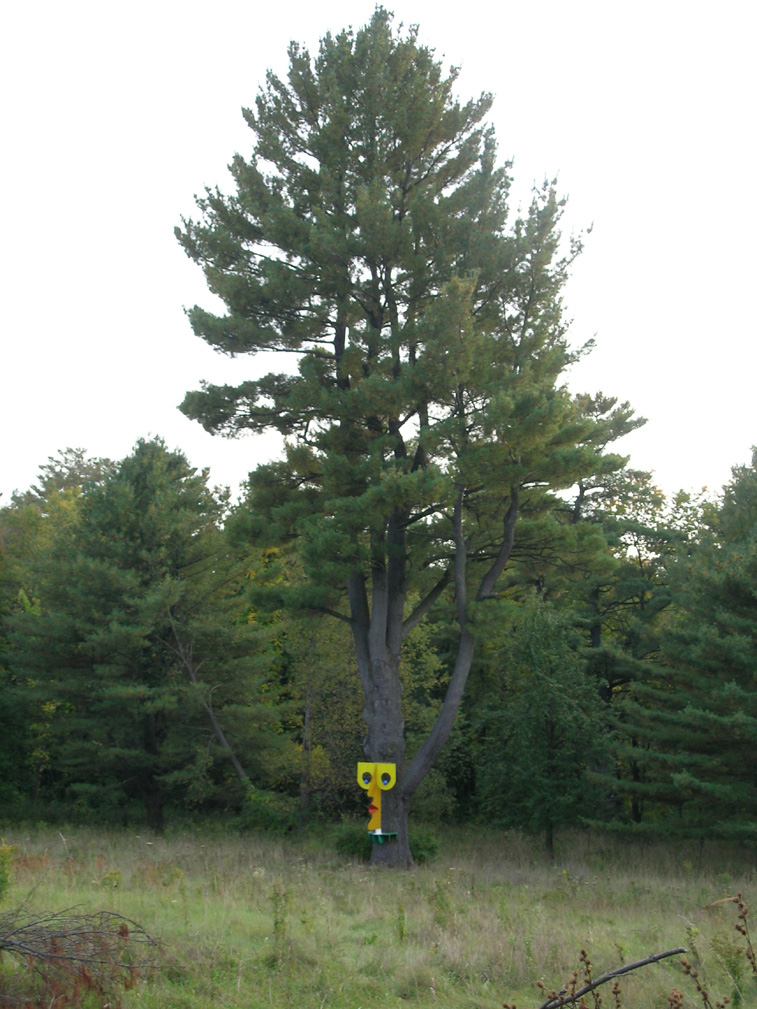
254, 922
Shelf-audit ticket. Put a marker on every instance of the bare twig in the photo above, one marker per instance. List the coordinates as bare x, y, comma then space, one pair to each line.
70, 952
554, 1002
743, 929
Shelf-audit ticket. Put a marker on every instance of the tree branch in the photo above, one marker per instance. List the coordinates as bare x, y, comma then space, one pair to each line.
425, 605
328, 612
431, 748
360, 622
185, 654
69, 955
489, 580
461, 559
565, 998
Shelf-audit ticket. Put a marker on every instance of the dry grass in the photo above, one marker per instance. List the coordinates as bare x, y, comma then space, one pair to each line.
70, 957
250, 922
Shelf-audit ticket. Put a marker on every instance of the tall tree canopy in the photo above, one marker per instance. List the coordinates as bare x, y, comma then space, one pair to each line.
69, 470
368, 244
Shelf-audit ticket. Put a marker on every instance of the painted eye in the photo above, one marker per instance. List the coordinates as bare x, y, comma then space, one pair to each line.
385, 778
367, 778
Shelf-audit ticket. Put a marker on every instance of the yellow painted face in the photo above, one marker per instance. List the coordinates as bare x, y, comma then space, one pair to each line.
375, 779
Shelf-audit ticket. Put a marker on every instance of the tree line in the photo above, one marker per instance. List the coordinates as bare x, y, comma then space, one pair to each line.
146, 669
450, 569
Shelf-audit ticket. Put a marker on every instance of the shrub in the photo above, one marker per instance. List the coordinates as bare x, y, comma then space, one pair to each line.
352, 840
424, 844
267, 811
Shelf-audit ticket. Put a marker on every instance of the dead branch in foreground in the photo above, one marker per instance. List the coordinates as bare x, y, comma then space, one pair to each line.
573, 994
63, 954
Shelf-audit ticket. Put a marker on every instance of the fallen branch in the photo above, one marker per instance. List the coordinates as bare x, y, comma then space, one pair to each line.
67, 953
565, 997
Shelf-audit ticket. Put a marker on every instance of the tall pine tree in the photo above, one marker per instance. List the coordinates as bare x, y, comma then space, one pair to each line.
368, 245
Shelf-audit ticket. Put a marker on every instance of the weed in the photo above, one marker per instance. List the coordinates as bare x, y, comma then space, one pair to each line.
425, 844
111, 879
731, 954
280, 903
400, 922
6, 868
441, 904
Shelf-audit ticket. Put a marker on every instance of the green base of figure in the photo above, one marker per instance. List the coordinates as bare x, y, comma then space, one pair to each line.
379, 838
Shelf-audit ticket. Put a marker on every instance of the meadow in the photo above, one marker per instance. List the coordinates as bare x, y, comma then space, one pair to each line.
254, 921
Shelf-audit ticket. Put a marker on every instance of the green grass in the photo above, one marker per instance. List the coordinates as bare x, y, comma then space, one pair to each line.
254, 922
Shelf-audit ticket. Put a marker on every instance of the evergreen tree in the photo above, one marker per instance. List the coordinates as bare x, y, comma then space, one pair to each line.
28, 529
136, 618
69, 470
542, 731
694, 716
368, 243
622, 602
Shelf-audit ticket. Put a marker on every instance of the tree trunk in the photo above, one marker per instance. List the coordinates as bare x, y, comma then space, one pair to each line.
153, 800
378, 630
385, 740
394, 853
636, 809
307, 748
549, 839
385, 743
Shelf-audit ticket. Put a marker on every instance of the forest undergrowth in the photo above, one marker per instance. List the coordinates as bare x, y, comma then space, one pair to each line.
250, 921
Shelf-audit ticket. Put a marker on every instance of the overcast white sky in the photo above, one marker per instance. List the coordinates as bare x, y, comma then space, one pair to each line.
116, 114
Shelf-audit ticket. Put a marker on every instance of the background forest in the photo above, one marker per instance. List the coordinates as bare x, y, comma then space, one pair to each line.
141, 681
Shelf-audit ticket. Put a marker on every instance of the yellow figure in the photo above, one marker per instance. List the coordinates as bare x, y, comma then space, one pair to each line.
375, 779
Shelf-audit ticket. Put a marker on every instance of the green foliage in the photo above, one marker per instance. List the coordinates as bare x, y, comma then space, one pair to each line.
267, 811
313, 685
623, 603
20, 534
434, 802
542, 732
352, 841
425, 842
691, 719
67, 472
137, 641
